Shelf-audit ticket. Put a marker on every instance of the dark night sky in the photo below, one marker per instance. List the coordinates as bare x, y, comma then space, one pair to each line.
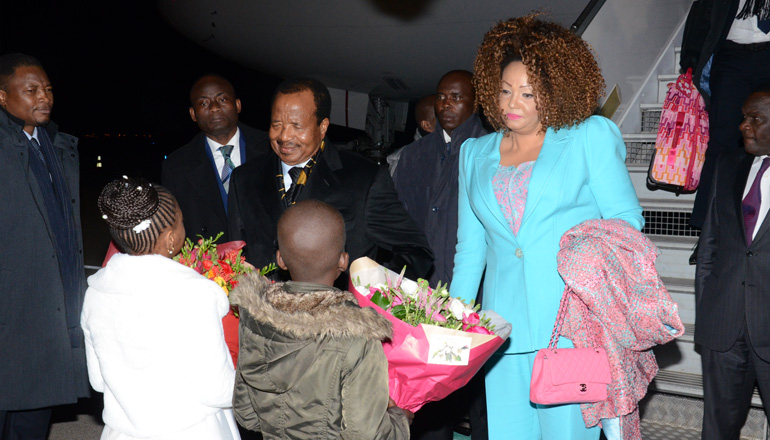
117, 66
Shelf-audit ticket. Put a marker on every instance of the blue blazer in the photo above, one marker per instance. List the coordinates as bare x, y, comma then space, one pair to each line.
580, 174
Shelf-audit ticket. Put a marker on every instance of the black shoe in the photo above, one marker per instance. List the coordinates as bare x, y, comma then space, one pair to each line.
694, 256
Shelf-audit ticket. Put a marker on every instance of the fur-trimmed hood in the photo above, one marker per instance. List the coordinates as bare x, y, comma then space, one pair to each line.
306, 315
284, 335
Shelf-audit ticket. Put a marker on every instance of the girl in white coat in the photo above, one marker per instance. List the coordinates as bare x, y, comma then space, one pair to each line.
153, 327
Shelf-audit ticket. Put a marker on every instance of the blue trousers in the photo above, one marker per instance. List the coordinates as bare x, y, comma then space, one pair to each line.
511, 416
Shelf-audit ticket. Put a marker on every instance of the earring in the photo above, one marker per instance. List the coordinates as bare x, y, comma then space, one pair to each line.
171, 252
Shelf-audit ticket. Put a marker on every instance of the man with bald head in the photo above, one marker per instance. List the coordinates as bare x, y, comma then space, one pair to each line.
198, 174
426, 179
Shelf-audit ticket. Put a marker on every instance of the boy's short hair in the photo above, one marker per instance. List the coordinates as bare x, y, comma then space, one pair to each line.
311, 237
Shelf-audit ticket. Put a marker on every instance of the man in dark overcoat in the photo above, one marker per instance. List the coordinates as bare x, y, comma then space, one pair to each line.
42, 282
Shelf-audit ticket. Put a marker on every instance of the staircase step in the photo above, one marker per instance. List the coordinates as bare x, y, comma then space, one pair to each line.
657, 431
688, 384
651, 117
663, 81
673, 261
665, 417
639, 148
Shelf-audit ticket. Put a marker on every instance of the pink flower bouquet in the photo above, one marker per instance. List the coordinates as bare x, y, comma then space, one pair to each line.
439, 342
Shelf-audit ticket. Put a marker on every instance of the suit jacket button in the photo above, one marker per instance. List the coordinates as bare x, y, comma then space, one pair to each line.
519, 253
749, 254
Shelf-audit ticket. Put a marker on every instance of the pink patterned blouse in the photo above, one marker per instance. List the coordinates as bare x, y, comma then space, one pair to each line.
510, 185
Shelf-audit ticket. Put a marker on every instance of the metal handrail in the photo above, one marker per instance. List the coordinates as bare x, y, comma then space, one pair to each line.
585, 18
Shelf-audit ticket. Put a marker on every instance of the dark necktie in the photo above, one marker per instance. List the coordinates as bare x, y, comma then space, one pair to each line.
291, 194
753, 201
36, 149
228, 167
763, 25
39, 153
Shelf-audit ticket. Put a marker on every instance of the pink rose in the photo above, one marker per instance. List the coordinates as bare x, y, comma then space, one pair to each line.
479, 329
470, 320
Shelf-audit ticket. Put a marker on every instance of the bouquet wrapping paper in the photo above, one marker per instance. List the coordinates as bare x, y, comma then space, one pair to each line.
427, 362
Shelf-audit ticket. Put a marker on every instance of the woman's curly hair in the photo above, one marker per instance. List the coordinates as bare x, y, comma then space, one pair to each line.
560, 65
136, 212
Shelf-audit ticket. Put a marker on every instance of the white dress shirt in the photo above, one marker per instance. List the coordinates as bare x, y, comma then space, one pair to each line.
745, 31
235, 155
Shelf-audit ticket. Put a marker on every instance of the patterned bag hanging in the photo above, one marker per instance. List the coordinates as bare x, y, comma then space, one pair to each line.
683, 136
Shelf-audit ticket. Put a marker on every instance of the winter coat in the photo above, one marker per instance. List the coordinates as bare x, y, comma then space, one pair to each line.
42, 361
609, 266
156, 349
311, 364
426, 182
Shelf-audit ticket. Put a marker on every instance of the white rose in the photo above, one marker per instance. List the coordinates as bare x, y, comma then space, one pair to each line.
457, 308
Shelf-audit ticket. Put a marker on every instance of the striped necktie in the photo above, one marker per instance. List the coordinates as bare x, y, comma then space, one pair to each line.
228, 167
291, 194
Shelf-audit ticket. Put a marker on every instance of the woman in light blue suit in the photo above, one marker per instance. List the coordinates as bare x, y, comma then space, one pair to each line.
550, 166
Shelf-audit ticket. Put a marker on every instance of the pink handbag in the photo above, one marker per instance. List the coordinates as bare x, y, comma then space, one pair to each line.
569, 375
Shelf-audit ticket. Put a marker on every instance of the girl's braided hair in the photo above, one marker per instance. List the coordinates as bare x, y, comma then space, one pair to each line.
136, 212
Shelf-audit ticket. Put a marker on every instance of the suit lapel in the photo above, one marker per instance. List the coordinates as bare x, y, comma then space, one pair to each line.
486, 163
741, 177
265, 187
547, 162
203, 178
36, 194
323, 180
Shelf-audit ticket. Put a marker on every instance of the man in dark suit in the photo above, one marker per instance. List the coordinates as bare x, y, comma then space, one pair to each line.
42, 282
198, 173
307, 166
732, 284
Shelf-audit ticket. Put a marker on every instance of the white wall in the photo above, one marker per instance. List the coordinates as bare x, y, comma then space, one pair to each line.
629, 36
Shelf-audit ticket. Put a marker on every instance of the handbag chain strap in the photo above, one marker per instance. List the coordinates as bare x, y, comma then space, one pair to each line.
560, 321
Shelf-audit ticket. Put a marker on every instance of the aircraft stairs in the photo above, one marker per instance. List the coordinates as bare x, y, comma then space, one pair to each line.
673, 408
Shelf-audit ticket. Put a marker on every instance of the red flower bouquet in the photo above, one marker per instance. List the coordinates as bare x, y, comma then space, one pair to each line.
223, 264
439, 342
